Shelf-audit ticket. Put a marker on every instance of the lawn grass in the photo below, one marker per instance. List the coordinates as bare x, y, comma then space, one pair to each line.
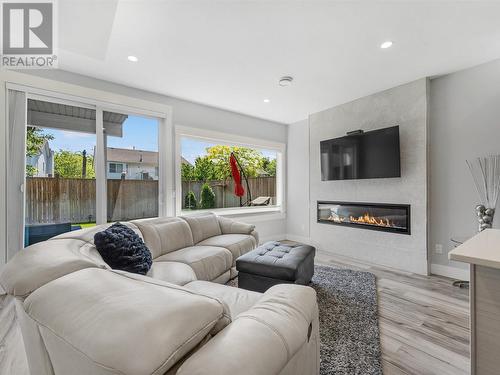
85, 225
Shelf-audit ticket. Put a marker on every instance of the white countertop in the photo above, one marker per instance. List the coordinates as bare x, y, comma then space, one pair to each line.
483, 249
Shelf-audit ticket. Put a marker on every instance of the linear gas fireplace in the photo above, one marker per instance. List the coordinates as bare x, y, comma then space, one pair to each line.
375, 216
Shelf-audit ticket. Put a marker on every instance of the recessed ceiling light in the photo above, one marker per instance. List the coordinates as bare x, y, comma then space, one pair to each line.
266, 100
386, 44
285, 81
132, 58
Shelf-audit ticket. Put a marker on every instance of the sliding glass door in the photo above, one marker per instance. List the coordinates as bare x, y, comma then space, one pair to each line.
74, 165
60, 187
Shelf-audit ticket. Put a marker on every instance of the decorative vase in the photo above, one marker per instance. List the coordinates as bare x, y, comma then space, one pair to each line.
485, 172
485, 217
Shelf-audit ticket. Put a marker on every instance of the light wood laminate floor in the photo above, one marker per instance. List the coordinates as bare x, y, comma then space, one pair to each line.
424, 324
424, 321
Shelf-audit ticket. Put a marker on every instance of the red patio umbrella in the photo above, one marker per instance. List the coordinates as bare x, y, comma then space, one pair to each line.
239, 190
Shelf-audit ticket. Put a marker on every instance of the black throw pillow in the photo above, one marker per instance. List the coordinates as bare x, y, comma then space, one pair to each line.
122, 249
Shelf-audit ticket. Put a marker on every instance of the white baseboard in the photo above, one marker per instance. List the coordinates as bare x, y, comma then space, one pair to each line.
436, 269
451, 272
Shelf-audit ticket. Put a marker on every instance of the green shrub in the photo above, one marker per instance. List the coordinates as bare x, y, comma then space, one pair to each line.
207, 196
190, 202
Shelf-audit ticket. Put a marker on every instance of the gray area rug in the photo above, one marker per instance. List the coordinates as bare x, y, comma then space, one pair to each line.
348, 321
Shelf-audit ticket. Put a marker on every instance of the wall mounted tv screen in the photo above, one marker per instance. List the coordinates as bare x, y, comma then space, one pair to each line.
373, 154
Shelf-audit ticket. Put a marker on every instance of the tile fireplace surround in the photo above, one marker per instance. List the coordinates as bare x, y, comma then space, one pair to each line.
385, 217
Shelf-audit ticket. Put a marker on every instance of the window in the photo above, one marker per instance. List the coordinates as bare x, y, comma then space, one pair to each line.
132, 147
115, 168
205, 178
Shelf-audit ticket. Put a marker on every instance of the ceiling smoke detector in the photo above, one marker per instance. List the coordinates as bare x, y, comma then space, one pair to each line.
285, 81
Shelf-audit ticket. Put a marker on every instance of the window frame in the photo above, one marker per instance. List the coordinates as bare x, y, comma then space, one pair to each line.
115, 164
230, 139
102, 101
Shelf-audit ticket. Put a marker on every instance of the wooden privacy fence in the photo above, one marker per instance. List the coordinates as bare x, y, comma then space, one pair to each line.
59, 200
224, 194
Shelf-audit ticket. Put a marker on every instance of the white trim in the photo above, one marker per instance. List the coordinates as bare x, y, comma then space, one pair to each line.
84, 102
228, 138
451, 272
115, 102
177, 194
258, 218
101, 207
231, 140
3, 173
231, 211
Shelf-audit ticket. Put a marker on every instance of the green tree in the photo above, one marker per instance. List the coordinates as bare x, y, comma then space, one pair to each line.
207, 197
187, 172
68, 164
190, 201
249, 159
269, 166
35, 139
204, 169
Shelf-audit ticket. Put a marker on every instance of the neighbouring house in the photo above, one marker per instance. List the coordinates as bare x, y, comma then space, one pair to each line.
43, 163
132, 164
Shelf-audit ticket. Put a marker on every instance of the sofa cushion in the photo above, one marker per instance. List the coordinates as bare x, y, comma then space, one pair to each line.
203, 226
208, 262
229, 226
172, 272
237, 244
43, 262
122, 249
234, 300
272, 331
124, 324
163, 235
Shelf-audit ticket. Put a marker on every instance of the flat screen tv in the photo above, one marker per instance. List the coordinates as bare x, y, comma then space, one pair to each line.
373, 154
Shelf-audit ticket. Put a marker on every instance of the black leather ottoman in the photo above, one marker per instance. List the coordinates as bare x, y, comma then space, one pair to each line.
274, 263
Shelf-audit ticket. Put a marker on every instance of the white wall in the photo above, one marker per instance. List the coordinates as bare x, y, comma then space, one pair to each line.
405, 106
464, 123
297, 223
184, 113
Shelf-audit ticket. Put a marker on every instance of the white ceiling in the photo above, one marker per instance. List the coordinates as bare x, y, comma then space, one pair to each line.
230, 54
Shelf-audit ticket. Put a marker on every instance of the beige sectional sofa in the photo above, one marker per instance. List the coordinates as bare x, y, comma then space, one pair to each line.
78, 316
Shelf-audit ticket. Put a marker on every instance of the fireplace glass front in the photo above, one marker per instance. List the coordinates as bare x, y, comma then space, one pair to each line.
375, 216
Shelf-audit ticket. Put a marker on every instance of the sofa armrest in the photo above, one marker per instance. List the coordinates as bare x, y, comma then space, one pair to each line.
263, 339
255, 235
229, 226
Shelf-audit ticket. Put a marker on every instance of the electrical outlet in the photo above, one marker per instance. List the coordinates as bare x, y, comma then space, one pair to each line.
439, 248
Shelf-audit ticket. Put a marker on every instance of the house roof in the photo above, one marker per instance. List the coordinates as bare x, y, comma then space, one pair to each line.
124, 155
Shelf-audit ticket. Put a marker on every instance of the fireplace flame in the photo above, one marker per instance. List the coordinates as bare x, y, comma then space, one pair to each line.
372, 220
